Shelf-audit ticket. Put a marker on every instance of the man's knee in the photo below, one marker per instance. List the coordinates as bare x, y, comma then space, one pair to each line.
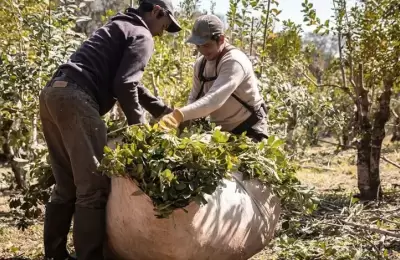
63, 194
93, 197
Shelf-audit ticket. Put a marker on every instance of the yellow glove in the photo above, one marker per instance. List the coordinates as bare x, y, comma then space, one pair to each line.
172, 120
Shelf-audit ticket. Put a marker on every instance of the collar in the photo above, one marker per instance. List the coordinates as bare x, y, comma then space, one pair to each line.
131, 15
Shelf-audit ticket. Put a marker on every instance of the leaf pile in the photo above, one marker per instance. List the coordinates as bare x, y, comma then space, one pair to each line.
176, 170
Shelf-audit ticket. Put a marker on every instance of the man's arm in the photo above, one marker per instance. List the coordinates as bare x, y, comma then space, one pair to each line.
229, 78
129, 75
151, 103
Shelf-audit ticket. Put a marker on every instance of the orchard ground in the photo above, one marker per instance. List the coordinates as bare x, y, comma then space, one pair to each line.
341, 228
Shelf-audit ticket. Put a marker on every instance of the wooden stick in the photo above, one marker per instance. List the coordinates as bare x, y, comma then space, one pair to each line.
391, 221
382, 211
354, 234
118, 130
317, 168
391, 162
382, 243
373, 229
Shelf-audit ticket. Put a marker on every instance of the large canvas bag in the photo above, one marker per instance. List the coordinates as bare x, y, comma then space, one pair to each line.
237, 222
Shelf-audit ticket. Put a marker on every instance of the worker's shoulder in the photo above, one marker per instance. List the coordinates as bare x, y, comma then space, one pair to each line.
235, 54
199, 60
133, 30
130, 26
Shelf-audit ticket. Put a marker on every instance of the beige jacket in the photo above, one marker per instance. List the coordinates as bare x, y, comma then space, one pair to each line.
235, 75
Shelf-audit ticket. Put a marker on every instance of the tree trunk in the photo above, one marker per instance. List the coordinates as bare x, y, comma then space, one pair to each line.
313, 133
364, 146
396, 130
345, 139
396, 114
8, 155
19, 175
369, 149
349, 130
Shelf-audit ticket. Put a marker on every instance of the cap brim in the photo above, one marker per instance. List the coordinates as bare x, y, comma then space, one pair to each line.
174, 27
197, 40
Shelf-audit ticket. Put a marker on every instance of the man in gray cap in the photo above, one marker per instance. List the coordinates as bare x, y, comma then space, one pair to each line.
224, 85
108, 67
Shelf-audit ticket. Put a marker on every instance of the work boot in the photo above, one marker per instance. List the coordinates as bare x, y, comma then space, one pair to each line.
56, 228
89, 233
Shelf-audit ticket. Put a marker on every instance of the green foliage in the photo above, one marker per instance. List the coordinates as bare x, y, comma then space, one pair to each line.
36, 36
311, 19
40, 39
28, 204
169, 73
327, 234
176, 170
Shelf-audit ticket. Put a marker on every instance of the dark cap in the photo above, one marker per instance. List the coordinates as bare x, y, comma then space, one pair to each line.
205, 27
167, 5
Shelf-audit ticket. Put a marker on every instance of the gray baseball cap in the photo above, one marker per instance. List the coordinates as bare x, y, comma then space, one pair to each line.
167, 5
204, 28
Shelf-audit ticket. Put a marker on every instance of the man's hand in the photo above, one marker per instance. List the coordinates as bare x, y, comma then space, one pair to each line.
172, 120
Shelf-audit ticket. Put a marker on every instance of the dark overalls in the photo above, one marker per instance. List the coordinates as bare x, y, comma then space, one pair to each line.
257, 117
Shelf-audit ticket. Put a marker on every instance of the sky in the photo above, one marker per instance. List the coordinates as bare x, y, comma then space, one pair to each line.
291, 9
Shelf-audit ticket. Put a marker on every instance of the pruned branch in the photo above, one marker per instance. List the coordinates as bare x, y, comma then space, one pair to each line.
343, 88
341, 58
383, 211
391, 221
373, 229
317, 168
391, 162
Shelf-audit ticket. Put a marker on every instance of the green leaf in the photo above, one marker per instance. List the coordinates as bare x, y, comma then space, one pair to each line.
180, 186
220, 137
107, 150
168, 175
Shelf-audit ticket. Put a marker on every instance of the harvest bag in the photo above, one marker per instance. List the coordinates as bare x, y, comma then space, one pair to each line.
237, 222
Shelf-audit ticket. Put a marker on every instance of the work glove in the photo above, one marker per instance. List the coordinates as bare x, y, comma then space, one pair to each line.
171, 120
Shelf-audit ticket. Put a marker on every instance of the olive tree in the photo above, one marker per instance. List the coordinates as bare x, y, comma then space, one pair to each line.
369, 49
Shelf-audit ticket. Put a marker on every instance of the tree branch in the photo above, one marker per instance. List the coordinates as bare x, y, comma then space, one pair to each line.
383, 211
341, 57
391, 162
346, 90
391, 221
373, 229
251, 36
361, 69
265, 36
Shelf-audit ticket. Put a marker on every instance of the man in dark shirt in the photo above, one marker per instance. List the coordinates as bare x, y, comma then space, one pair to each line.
107, 68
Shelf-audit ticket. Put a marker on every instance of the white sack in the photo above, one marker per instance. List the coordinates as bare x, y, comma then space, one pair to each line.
231, 226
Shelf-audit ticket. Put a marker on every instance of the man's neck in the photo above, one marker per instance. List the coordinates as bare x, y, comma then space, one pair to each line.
222, 47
